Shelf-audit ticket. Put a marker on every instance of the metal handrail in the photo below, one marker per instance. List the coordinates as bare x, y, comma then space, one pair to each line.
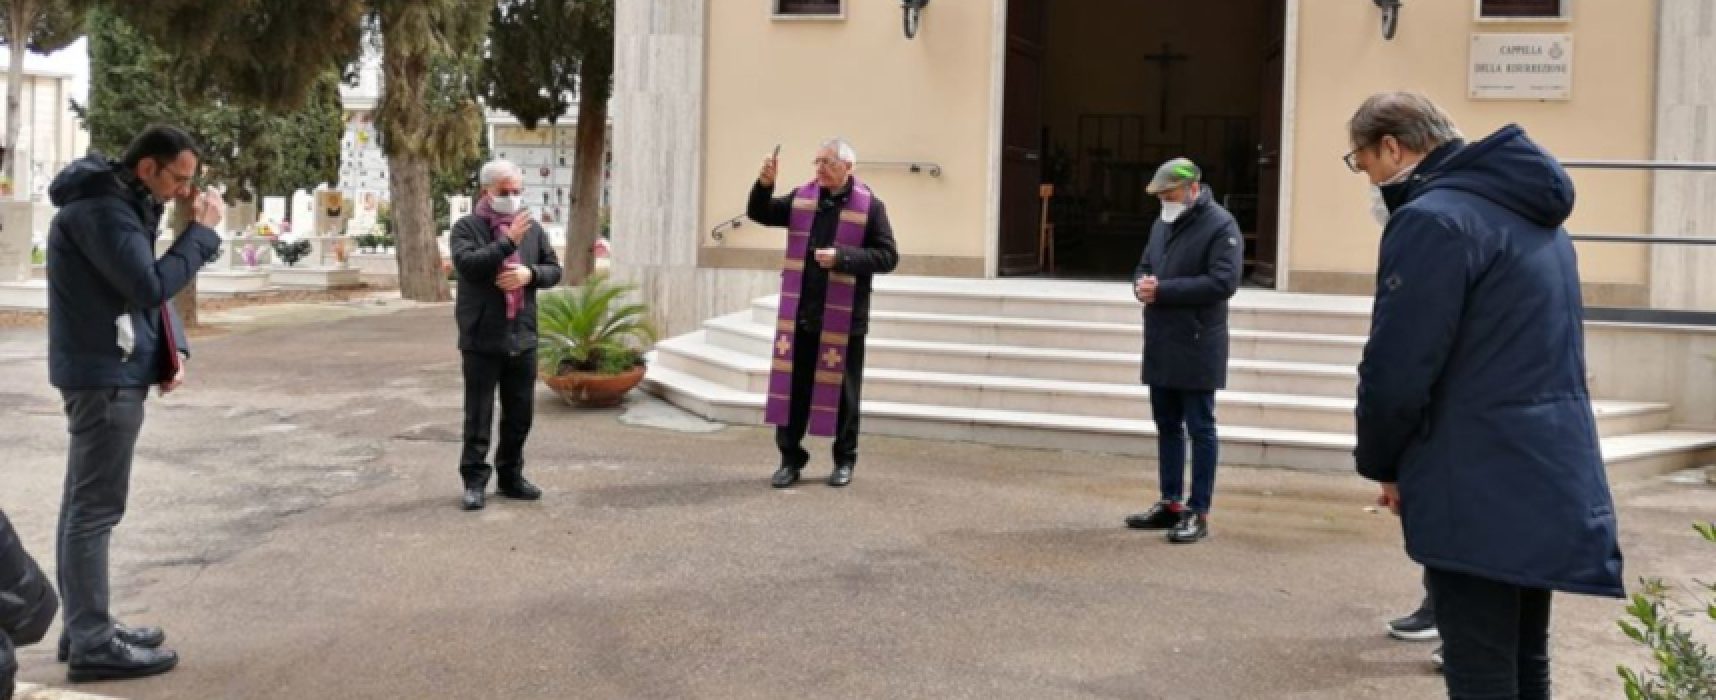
916, 166
1681, 166
1637, 315
1639, 165
1659, 240
719, 233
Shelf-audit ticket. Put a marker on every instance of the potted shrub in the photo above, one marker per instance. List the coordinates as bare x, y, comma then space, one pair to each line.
592, 342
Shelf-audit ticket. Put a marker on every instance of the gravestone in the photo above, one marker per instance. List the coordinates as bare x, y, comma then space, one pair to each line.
274, 211
331, 213
303, 213
458, 207
239, 218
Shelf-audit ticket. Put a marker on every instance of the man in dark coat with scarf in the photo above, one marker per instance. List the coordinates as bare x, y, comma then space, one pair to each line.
1473, 411
502, 257
838, 239
1189, 270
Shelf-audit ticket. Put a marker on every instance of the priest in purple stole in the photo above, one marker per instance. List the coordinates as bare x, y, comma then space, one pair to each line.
838, 238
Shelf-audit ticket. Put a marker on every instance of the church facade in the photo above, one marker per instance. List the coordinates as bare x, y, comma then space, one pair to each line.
1014, 137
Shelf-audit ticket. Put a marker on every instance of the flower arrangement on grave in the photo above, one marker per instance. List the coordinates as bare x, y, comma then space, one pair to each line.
292, 251
249, 253
265, 229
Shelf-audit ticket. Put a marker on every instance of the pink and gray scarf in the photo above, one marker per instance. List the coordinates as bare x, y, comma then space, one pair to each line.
499, 224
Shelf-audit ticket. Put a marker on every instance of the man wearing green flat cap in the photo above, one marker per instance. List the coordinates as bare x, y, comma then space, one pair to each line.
1189, 270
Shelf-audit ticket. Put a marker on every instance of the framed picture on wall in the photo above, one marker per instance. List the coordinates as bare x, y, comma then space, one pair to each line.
1523, 10
809, 9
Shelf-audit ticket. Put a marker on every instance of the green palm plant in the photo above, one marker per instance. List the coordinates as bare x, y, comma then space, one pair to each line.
592, 328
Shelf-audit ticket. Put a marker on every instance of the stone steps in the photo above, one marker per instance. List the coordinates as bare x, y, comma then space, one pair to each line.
1244, 374
1055, 365
1094, 399
1630, 456
1319, 348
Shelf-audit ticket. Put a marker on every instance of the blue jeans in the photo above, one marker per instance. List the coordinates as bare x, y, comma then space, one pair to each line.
1178, 413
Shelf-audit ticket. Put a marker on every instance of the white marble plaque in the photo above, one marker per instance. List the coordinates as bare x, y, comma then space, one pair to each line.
1521, 67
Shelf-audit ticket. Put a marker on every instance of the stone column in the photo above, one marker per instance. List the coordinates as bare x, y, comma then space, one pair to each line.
657, 186
16, 227
1685, 203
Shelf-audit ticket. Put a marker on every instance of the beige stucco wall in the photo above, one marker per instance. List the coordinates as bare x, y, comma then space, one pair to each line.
1343, 58
926, 99
932, 99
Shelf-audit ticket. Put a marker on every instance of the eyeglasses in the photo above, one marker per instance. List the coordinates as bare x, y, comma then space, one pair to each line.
1351, 159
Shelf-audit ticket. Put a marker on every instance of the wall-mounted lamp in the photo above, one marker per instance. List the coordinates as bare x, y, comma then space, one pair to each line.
914, 12
1390, 16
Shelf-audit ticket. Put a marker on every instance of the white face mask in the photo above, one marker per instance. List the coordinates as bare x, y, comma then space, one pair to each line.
1171, 211
508, 205
1378, 206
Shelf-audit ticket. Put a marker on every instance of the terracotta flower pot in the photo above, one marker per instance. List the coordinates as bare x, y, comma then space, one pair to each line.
593, 390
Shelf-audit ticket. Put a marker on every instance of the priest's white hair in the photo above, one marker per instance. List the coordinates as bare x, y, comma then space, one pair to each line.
842, 150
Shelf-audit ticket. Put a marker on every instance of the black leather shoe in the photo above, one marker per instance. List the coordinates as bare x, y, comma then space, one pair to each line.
842, 476
119, 660
473, 499
520, 490
1192, 527
1163, 515
146, 637
784, 477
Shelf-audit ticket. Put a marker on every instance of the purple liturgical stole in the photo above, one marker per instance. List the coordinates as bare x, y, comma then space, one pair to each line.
836, 314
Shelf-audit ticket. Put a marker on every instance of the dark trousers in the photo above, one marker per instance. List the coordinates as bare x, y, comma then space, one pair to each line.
1178, 413
1495, 637
104, 424
790, 437
515, 376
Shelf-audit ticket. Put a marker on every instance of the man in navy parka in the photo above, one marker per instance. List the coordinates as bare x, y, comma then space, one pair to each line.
1473, 410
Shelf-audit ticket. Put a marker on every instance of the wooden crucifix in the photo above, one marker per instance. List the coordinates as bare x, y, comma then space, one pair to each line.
1165, 61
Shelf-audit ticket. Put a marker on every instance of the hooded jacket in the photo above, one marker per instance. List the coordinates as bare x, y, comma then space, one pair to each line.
103, 274
1472, 393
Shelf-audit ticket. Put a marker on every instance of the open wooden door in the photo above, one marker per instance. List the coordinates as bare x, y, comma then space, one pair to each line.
1262, 246
1021, 139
